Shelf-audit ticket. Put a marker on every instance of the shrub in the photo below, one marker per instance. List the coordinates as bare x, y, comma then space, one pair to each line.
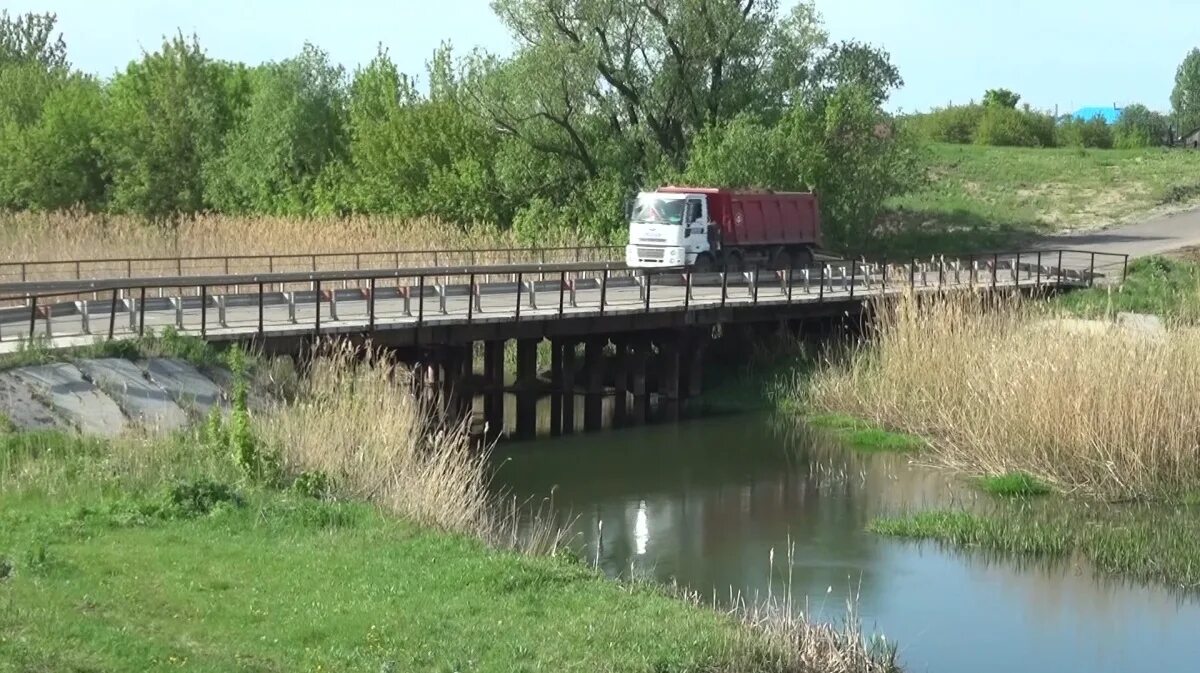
1092, 133
190, 499
1007, 127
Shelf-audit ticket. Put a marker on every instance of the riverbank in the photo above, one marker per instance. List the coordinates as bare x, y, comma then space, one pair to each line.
1081, 432
341, 530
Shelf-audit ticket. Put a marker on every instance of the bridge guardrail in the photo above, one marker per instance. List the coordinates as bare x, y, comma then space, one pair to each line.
125, 267
417, 298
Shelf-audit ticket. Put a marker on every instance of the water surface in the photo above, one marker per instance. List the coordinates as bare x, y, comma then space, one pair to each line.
709, 502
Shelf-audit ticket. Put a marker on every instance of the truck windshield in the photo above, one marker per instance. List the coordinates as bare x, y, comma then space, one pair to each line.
655, 209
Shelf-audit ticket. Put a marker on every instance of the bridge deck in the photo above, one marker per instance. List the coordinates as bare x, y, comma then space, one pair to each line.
423, 305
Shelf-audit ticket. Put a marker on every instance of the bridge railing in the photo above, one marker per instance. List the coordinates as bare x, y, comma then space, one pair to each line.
141, 267
245, 305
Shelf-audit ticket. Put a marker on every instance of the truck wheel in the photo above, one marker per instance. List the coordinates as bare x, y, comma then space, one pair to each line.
703, 264
802, 258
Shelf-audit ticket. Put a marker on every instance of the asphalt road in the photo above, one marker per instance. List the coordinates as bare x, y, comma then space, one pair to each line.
1156, 235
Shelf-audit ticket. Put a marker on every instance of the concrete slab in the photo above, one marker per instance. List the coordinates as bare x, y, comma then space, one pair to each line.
142, 400
190, 389
75, 398
26, 410
1141, 322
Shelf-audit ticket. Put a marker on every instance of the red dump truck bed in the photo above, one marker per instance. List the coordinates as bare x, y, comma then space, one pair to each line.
750, 219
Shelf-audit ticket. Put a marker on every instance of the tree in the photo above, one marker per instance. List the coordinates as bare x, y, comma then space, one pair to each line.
53, 163
1001, 98
1185, 98
166, 119
292, 129
1140, 127
29, 38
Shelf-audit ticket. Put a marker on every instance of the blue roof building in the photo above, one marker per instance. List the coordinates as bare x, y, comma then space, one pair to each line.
1110, 115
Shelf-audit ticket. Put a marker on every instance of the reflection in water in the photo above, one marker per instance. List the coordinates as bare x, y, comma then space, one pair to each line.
706, 503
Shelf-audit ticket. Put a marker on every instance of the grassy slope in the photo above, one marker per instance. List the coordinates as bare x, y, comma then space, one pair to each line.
99, 579
989, 197
1166, 287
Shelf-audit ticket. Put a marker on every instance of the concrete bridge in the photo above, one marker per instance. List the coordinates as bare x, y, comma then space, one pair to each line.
640, 326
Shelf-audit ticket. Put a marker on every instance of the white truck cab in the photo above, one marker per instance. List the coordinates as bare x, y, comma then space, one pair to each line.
667, 230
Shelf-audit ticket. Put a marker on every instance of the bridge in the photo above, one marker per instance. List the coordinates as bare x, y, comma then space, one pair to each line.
629, 327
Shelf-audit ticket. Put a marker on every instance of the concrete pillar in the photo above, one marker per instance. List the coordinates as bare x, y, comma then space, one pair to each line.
637, 381
621, 385
556, 391
668, 377
527, 388
567, 385
593, 403
493, 395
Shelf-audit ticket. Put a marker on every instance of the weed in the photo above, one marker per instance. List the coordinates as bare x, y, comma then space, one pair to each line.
189, 499
863, 436
312, 484
1013, 485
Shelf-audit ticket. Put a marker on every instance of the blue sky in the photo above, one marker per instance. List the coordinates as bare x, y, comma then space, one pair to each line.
1068, 53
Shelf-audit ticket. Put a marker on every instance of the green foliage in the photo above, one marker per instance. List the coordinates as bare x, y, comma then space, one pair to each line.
29, 38
1001, 98
293, 128
312, 484
1151, 542
1185, 97
1140, 127
1094, 132
254, 461
1013, 485
952, 124
1157, 285
1009, 127
167, 118
190, 499
863, 436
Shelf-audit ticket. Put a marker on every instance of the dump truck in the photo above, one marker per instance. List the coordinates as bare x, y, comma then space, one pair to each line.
708, 229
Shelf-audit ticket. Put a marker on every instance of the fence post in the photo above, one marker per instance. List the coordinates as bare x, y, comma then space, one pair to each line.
203, 309
1124, 269
1092, 271
562, 290
1038, 282
112, 314
260, 310
821, 285
1060, 269
603, 290
647, 276
142, 314
995, 269
420, 300
853, 273
520, 287
32, 313
317, 304
84, 321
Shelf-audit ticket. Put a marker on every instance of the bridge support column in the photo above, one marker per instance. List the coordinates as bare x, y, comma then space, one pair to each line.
694, 363
593, 405
527, 388
493, 393
637, 381
621, 385
566, 384
668, 377
556, 390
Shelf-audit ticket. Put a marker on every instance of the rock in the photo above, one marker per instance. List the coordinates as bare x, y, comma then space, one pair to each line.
1141, 322
26, 410
142, 401
75, 398
190, 389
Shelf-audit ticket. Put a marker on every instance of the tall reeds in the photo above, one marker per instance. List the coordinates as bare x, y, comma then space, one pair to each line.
1004, 385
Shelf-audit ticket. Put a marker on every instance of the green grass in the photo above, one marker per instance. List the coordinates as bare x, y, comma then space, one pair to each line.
863, 436
984, 198
167, 343
161, 556
1141, 542
1013, 485
1159, 285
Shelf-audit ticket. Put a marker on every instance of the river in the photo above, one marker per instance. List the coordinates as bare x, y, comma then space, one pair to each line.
708, 502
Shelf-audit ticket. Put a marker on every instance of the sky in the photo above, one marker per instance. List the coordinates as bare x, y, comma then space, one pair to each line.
1055, 53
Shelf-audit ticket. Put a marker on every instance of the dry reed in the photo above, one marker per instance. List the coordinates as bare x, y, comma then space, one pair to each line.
997, 387
28, 237
356, 420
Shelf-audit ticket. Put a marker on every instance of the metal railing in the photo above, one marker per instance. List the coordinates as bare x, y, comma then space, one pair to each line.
126, 267
408, 298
